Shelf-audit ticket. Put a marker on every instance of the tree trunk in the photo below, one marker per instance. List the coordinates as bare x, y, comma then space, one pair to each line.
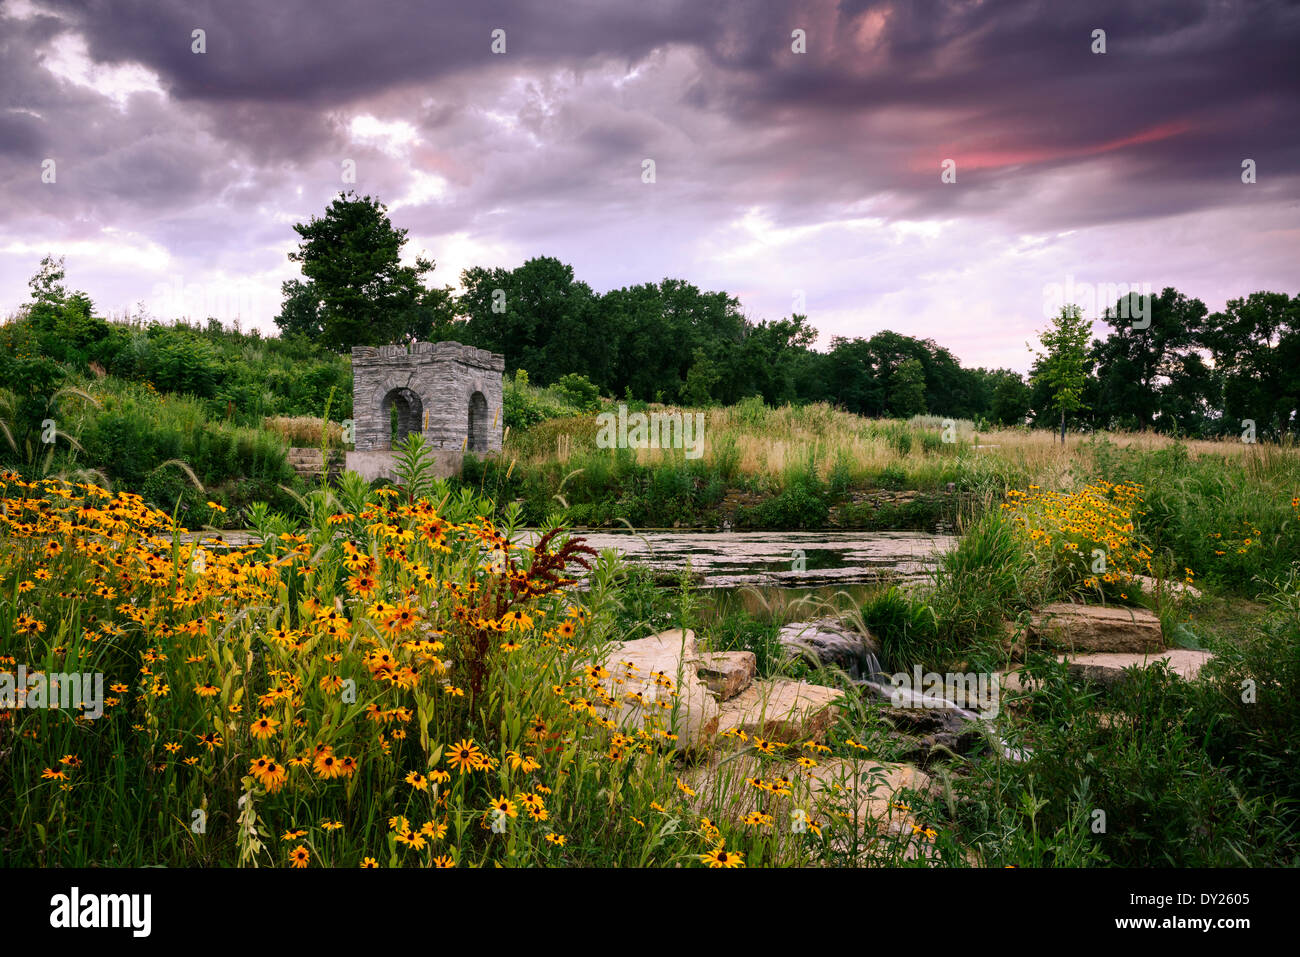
1062, 427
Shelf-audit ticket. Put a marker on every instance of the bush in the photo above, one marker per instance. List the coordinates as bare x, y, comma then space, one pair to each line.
802, 505
578, 391
892, 477
177, 362
524, 406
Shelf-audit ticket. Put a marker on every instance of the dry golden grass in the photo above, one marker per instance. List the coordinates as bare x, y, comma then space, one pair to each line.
751, 441
303, 431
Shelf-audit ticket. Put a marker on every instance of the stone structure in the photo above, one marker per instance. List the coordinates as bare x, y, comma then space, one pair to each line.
449, 393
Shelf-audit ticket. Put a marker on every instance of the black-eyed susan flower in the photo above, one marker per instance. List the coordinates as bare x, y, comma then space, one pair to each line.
263, 728
464, 756
721, 857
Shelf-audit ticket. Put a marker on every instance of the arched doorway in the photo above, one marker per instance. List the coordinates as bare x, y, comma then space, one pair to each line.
404, 411
478, 423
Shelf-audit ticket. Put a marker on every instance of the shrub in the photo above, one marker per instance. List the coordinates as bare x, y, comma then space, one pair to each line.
802, 505
178, 362
578, 391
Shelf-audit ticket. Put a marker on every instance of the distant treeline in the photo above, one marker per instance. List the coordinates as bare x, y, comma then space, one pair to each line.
1178, 369
1189, 372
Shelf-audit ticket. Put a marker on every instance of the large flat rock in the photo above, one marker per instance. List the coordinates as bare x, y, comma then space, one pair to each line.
1095, 628
655, 668
1107, 668
837, 787
1170, 587
876, 789
782, 710
874, 785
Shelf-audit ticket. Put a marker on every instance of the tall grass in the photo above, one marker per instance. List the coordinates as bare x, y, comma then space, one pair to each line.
305, 431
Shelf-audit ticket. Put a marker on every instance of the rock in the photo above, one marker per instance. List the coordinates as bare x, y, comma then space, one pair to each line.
1171, 587
918, 707
876, 790
1094, 628
1014, 639
651, 660
782, 710
727, 673
944, 745
826, 641
874, 782
836, 788
1015, 683
1108, 669
930, 727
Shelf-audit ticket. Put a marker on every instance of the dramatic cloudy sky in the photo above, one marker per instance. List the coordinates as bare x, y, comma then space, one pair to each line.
179, 175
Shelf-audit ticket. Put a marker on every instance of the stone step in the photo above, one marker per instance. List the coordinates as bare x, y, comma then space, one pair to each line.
654, 676
875, 794
1096, 628
1107, 668
307, 462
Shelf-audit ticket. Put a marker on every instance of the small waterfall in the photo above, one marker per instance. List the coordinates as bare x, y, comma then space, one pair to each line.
879, 687
870, 667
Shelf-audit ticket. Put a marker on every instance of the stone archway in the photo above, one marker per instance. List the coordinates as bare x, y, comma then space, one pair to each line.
409, 409
479, 425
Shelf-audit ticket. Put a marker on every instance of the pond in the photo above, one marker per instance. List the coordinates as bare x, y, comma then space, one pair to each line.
801, 560
806, 561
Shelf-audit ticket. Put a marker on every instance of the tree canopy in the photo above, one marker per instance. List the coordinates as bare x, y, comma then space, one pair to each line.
1181, 369
356, 290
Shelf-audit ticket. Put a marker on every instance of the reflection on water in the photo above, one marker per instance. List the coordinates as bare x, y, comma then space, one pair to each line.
790, 563
801, 561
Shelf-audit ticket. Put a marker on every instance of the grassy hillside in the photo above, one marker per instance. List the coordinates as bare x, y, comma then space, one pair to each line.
176, 413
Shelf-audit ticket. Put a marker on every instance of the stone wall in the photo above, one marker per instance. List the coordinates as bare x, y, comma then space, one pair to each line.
438, 387
382, 464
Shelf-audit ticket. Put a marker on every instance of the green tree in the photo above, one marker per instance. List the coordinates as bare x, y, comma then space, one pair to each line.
1147, 370
356, 291
538, 316
1010, 400
1255, 346
701, 379
907, 389
300, 310
1063, 368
